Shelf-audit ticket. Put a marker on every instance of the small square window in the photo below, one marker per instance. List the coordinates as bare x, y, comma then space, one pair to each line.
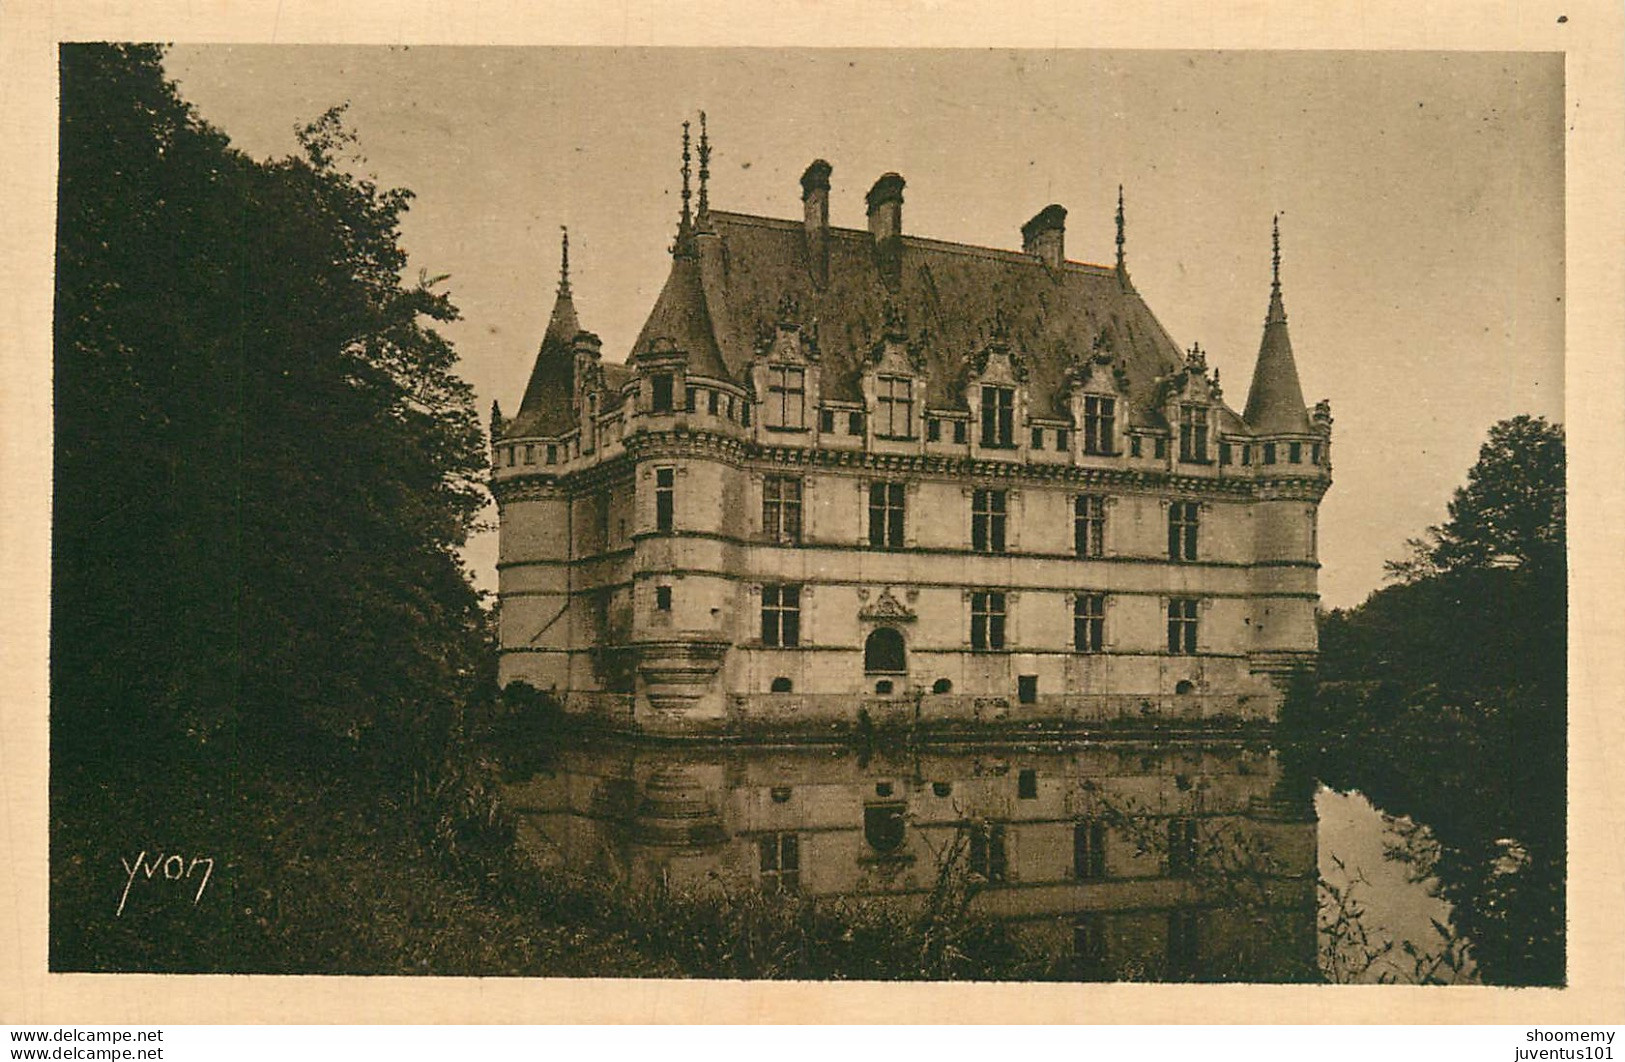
1027, 689
933, 430
1027, 785
1269, 453
826, 420
663, 598
1295, 453
960, 429
854, 423
1038, 438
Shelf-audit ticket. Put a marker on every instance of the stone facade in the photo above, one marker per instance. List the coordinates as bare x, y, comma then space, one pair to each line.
854, 478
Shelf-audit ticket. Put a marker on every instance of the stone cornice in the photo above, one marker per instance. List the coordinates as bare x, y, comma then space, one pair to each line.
759, 456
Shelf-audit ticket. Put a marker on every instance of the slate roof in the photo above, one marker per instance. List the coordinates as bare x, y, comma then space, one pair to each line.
546, 408
947, 293
1275, 402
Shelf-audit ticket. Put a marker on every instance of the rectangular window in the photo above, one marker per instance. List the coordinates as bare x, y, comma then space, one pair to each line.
1089, 622
987, 851
1184, 943
1269, 453
786, 396
663, 599
1182, 527
1027, 689
780, 862
1099, 424
1182, 626
510, 457
1181, 847
1314, 453
894, 415
1038, 438
691, 399
933, 430
744, 412
781, 615
1246, 454
886, 515
1295, 453
1089, 944
961, 431
1089, 525
1089, 851
826, 420
987, 521
1193, 434
1224, 453
781, 508
713, 403
1063, 439
998, 416
552, 453
530, 453
665, 498
1027, 781
987, 619
854, 423
660, 392
1134, 445
1161, 450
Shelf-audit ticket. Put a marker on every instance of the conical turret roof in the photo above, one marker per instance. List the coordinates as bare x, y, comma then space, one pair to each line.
547, 406
682, 315
1275, 401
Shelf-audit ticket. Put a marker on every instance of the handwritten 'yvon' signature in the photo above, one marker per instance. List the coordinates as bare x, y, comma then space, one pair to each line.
174, 868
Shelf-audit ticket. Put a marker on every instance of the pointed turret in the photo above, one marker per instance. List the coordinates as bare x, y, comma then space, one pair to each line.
1275, 402
680, 314
546, 408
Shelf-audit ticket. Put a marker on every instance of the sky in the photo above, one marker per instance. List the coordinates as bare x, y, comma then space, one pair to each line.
1420, 196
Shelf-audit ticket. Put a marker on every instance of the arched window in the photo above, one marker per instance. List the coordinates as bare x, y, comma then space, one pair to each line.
780, 685
883, 652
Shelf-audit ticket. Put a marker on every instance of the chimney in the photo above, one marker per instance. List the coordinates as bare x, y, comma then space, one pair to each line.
815, 201
1045, 236
886, 225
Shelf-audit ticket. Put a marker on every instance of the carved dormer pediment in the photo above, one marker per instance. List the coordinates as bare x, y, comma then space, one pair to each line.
886, 609
788, 338
997, 360
1192, 384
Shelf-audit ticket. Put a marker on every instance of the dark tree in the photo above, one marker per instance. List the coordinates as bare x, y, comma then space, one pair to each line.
1510, 513
265, 463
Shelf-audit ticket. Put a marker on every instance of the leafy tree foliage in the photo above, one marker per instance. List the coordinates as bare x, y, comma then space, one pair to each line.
265, 462
1443, 697
1510, 513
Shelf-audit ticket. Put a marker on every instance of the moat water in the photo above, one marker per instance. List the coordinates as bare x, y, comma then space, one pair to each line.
1178, 860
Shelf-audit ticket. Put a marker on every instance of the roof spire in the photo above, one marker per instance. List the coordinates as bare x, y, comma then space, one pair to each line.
1277, 307
564, 263
705, 169
687, 223
1275, 401
1122, 260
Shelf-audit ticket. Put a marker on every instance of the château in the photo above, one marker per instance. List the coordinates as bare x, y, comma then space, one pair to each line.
860, 478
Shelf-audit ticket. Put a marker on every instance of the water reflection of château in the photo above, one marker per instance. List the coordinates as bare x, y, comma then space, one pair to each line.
1115, 861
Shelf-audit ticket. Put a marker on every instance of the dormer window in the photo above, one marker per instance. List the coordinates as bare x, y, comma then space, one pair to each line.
786, 397
660, 392
1193, 434
894, 412
998, 416
1099, 424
